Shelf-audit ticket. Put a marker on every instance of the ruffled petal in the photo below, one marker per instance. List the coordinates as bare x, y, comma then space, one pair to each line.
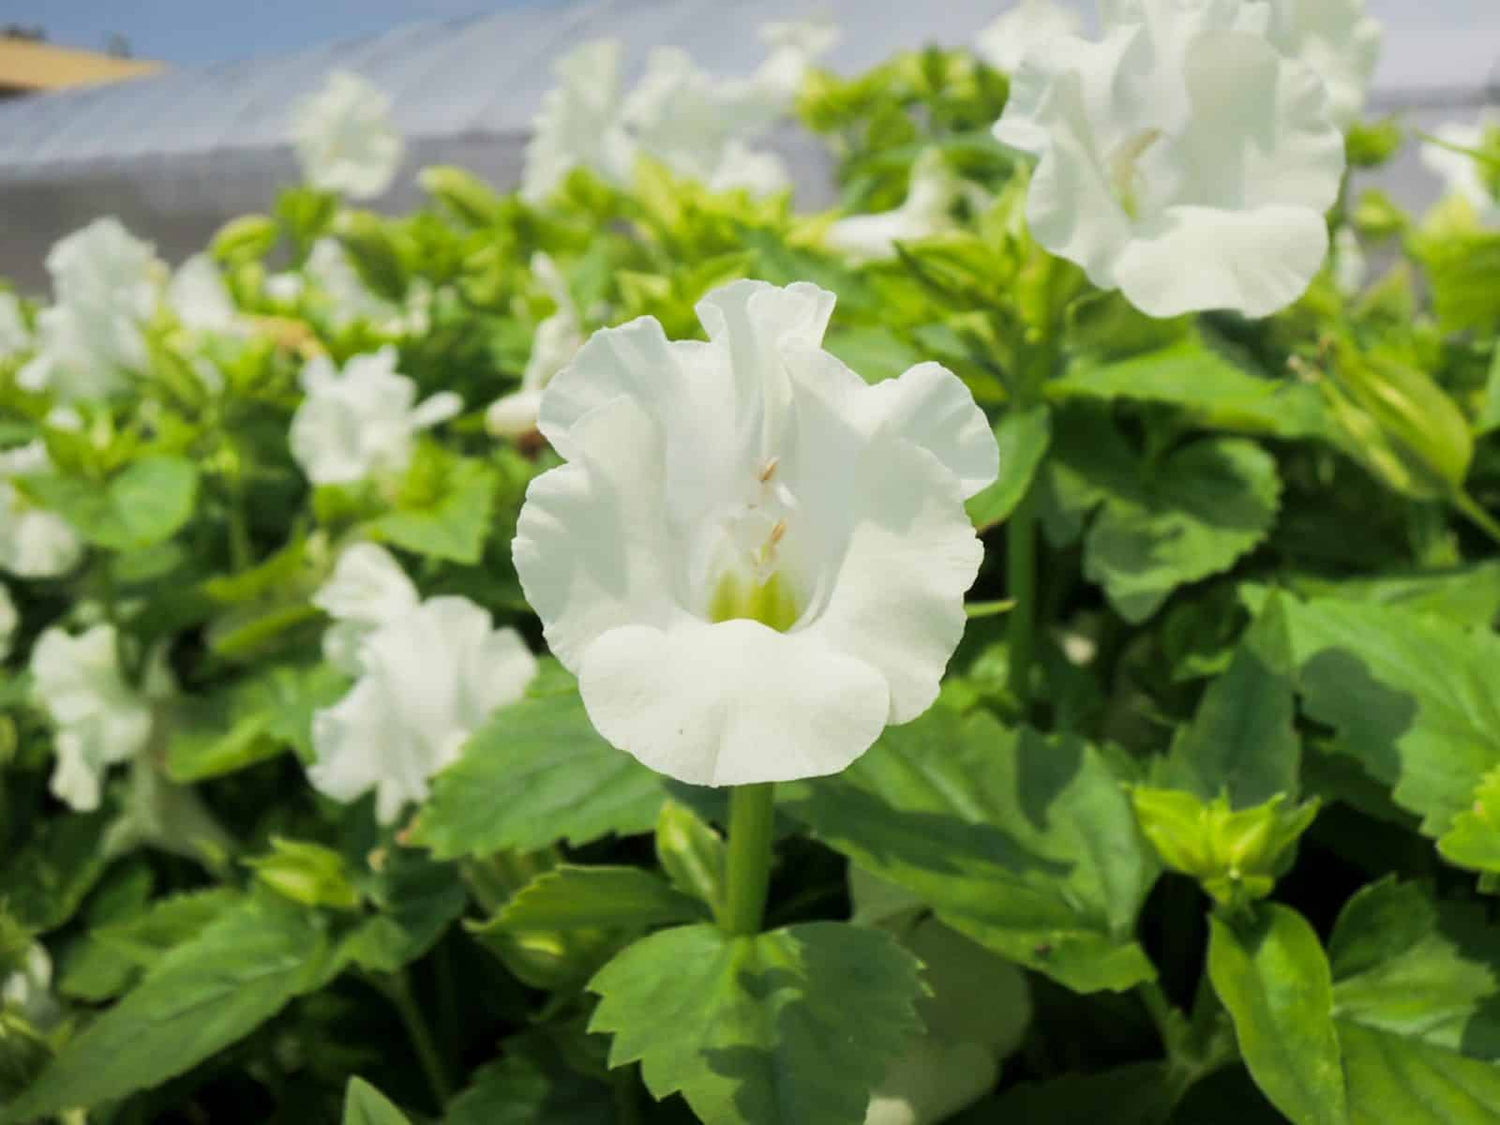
731, 704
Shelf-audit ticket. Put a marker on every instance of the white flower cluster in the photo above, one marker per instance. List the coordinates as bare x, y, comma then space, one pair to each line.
428, 674
692, 122
34, 543
345, 140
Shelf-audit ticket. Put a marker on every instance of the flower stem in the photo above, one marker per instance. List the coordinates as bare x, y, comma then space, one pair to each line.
398, 988
1020, 550
752, 815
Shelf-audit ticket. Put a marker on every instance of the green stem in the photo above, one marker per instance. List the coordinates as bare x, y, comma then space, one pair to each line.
1476, 515
398, 988
752, 815
1020, 552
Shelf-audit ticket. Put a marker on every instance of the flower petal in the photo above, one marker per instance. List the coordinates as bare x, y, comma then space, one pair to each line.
731, 704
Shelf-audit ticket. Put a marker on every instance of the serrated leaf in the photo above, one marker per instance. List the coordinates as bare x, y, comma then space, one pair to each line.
783, 1028
1243, 743
1025, 843
1023, 437
1414, 698
1474, 839
1208, 386
145, 504
595, 897
1272, 975
1392, 1079
365, 1105
536, 773
236, 974
455, 526
416, 900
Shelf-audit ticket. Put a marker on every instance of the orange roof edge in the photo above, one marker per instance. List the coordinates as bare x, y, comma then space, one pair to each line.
29, 65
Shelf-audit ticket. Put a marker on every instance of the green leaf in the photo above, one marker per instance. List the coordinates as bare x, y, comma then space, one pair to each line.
874, 352
532, 1084
783, 1028
46, 879
112, 957
1474, 839
1466, 595
536, 773
1243, 742
416, 899
1209, 387
1025, 843
1464, 268
365, 1105
1272, 976
1414, 698
1392, 1079
595, 897
452, 526
1423, 971
1023, 437
203, 996
145, 504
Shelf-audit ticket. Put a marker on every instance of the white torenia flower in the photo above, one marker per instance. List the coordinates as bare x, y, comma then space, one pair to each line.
368, 589
9, 621
106, 282
28, 990
430, 674
1026, 26
1339, 41
34, 543
361, 422
100, 719
345, 140
927, 211
557, 341
1183, 159
579, 124
754, 561
1462, 173
199, 297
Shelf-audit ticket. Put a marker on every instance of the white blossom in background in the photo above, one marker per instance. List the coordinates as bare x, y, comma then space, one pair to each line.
795, 46
361, 422
579, 124
367, 589
1461, 172
753, 560
106, 283
1026, 26
345, 140
557, 341
14, 335
34, 543
1183, 160
429, 674
332, 274
28, 990
1350, 266
199, 297
928, 210
99, 718
9, 621
1339, 41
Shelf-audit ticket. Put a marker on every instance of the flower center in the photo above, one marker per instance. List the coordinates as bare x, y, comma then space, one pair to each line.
1125, 172
748, 582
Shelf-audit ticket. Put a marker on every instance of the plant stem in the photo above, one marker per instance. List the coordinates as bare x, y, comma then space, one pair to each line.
752, 815
398, 988
1020, 551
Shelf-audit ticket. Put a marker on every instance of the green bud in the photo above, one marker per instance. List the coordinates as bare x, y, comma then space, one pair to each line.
371, 246
1370, 145
1377, 216
307, 873
691, 853
248, 238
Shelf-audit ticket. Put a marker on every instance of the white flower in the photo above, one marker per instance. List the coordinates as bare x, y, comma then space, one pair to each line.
14, 335
345, 140
368, 589
1027, 25
100, 719
754, 560
429, 675
1462, 173
199, 297
1183, 159
926, 212
1350, 266
795, 46
1338, 40
34, 543
9, 620
285, 287
361, 422
28, 990
579, 124
557, 341
106, 283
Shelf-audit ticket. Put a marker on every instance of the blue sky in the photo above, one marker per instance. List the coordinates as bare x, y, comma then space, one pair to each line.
205, 31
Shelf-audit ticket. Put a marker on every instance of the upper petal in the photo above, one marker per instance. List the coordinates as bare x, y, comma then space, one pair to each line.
731, 704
